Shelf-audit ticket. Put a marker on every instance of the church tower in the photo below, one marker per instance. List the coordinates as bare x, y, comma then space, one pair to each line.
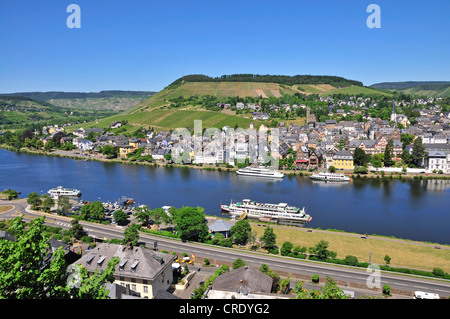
393, 114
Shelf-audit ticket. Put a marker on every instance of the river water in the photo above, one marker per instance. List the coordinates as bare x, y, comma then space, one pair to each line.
418, 210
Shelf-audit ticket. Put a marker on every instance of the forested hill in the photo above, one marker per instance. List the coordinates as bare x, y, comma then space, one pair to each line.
418, 88
335, 81
425, 85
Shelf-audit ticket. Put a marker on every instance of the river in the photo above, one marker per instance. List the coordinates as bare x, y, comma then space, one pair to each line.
409, 209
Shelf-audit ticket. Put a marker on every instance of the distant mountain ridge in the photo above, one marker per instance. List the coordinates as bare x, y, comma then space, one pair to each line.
425, 85
418, 88
51, 95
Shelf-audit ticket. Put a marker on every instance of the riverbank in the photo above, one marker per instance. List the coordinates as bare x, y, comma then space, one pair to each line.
404, 253
75, 154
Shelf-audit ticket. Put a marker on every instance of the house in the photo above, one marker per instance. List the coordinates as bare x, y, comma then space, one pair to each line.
115, 124
315, 158
437, 161
143, 271
244, 280
124, 150
82, 144
343, 160
302, 157
220, 226
260, 116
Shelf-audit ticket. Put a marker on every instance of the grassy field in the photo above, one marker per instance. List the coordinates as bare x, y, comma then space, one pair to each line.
353, 90
403, 253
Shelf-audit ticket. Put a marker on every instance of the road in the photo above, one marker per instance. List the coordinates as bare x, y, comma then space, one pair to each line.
342, 274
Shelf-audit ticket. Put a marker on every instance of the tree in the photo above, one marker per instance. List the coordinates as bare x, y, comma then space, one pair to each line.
321, 250
94, 210
76, 229
47, 204
191, 225
143, 215
387, 259
418, 153
131, 234
241, 232
159, 216
121, 217
388, 162
64, 205
328, 291
269, 238
27, 272
34, 200
286, 248
109, 150
332, 169
406, 139
360, 157
238, 263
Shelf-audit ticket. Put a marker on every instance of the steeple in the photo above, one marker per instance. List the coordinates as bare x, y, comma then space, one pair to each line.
393, 114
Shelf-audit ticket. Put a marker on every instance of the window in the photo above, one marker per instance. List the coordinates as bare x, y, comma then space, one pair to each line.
145, 289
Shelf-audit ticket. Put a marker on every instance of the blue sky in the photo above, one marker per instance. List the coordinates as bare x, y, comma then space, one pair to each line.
146, 44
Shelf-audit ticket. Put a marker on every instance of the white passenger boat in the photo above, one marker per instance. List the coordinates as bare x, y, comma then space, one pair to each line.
332, 177
62, 191
259, 172
280, 213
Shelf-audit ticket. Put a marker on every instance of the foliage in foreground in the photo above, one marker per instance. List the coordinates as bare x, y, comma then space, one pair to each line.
29, 269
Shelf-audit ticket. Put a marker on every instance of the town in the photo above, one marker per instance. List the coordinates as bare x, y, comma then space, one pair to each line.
418, 143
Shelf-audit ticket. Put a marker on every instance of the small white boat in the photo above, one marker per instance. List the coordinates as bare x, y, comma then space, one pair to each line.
332, 177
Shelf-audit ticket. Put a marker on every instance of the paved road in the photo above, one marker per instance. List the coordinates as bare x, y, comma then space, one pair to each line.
344, 274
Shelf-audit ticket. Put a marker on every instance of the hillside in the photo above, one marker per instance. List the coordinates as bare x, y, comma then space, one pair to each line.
103, 100
158, 110
418, 88
20, 111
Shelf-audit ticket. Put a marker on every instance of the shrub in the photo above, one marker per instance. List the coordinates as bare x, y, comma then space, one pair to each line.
351, 260
315, 278
386, 290
438, 272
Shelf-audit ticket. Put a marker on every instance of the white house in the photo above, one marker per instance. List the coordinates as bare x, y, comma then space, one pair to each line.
437, 161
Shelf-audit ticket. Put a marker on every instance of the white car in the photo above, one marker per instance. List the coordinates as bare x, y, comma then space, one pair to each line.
425, 295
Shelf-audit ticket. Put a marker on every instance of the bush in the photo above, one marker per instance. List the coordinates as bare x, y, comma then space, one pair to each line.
360, 170
274, 251
386, 290
351, 260
315, 278
438, 272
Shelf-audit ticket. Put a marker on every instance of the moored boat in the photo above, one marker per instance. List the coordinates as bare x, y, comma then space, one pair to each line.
281, 213
259, 172
332, 177
62, 191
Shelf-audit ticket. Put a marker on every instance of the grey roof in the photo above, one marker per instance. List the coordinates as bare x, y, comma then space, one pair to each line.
134, 262
7, 236
220, 225
244, 278
436, 154
343, 155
